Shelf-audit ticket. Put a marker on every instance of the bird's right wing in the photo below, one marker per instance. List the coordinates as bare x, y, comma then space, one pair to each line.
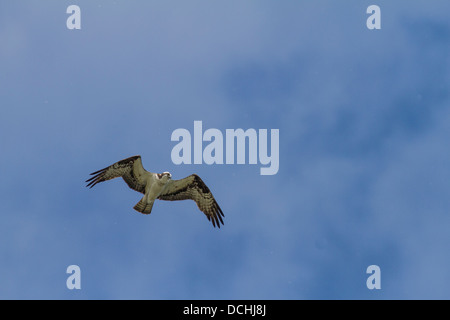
129, 169
193, 187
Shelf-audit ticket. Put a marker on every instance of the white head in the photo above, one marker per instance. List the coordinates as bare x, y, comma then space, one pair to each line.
165, 176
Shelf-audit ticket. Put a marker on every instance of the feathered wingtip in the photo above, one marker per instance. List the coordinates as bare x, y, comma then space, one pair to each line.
216, 217
97, 177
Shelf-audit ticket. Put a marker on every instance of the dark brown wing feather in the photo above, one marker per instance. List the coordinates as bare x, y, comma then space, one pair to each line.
122, 168
193, 187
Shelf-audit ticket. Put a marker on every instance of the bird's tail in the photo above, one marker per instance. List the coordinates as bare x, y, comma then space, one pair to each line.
143, 206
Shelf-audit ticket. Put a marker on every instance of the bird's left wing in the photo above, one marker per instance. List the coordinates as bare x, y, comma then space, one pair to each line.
129, 169
193, 187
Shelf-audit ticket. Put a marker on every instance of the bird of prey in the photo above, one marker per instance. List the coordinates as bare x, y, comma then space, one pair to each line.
160, 186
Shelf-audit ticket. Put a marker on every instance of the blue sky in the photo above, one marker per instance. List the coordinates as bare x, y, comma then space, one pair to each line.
363, 178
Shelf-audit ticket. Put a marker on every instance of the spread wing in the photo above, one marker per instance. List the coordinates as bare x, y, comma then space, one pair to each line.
129, 169
193, 187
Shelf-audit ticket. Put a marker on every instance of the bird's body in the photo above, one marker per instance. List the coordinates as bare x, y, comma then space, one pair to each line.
155, 185
160, 186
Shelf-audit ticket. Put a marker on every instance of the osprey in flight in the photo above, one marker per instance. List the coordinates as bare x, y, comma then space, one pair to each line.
160, 186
